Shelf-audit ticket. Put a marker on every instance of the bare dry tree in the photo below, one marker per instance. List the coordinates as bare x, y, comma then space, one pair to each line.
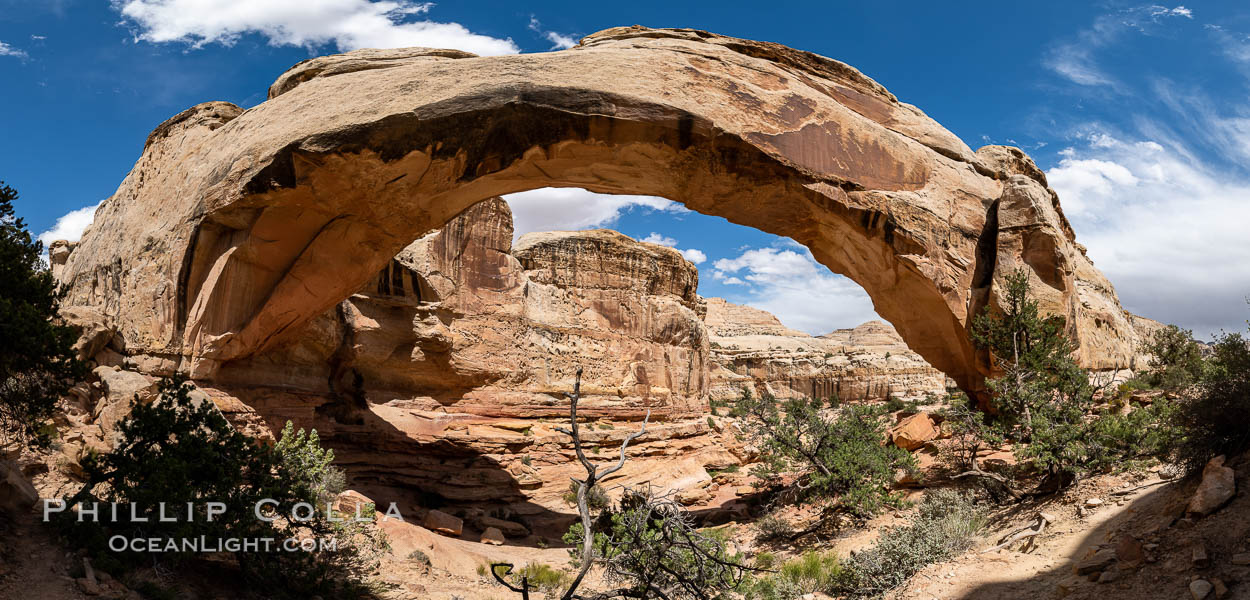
593, 477
652, 549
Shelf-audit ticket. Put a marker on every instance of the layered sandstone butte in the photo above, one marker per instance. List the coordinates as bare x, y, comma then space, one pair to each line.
751, 348
236, 229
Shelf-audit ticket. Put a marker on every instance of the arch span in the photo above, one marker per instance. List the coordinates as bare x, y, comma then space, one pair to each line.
235, 227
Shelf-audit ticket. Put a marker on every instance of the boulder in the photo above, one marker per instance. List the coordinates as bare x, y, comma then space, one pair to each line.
1129, 550
437, 520
17, 495
1218, 485
914, 431
493, 536
1200, 589
1100, 560
511, 529
349, 501
120, 389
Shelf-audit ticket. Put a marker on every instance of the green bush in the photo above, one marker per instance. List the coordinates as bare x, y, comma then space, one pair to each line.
944, 527
1212, 421
840, 457
1175, 359
771, 527
649, 542
809, 573
543, 578
596, 498
37, 361
177, 452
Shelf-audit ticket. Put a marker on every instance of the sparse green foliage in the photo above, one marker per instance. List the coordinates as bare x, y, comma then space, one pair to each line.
1176, 359
542, 577
37, 360
838, 453
943, 527
772, 527
811, 572
596, 498
175, 451
1212, 421
970, 433
649, 548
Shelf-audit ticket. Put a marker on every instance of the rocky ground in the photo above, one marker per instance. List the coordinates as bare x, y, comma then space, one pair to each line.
1130, 535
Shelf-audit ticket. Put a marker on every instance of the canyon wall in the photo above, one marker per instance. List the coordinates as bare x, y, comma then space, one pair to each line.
750, 347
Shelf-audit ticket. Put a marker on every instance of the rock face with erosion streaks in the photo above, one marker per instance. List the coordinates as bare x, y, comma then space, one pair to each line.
751, 348
237, 229
445, 373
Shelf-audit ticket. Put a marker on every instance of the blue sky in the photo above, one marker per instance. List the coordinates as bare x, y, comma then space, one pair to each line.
1140, 114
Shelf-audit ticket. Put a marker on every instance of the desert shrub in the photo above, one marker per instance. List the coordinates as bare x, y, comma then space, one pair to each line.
809, 573
1212, 421
539, 576
895, 404
1129, 440
944, 527
1175, 359
839, 457
596, 499
37, 361
648, 543
970, 432
771, 527
175, 452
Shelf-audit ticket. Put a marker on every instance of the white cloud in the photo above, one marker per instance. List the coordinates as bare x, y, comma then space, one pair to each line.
552, 209
694, 255
1168, 230
801, 292
7, 50
655, 238
348, 24
559, 41
70, 226
1163, 11
1074, 60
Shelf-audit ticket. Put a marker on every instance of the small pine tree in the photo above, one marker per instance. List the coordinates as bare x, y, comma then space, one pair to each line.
1175, 359
37, 361
839, 452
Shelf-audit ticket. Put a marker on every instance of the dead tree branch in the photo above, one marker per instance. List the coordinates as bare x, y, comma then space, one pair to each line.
593, 477
1031, 532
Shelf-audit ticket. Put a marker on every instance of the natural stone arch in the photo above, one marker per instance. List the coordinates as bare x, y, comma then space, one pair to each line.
236, 227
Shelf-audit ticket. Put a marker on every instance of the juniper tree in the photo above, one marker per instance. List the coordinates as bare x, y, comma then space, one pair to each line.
37, 361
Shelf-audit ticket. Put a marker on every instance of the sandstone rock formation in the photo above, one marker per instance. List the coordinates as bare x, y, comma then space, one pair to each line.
750, 347
237, 229
461, 322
